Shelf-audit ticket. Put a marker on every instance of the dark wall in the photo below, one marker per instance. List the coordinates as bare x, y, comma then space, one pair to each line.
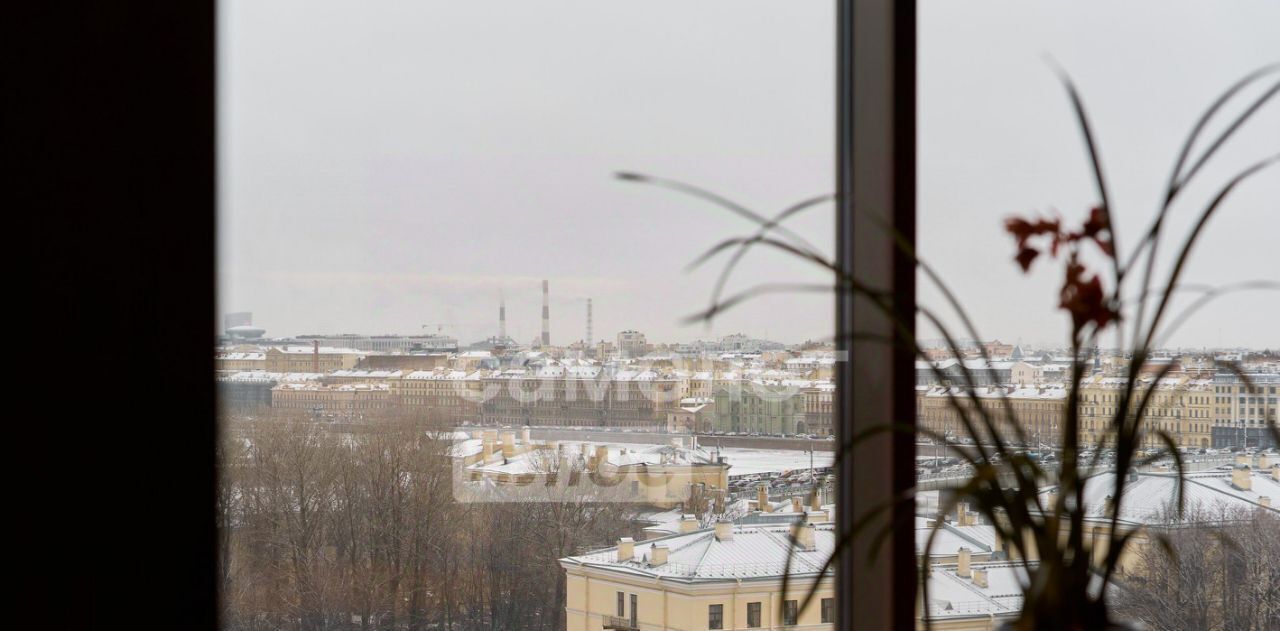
112, 139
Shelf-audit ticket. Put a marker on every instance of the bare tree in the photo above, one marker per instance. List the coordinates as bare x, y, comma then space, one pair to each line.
355, 526
1220, 571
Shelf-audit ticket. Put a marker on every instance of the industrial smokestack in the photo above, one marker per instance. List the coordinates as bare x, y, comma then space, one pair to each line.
315, 356
587, 342
546, 314
502, 317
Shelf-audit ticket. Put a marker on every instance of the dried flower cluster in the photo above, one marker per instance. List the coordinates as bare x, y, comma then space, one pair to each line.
1082, 295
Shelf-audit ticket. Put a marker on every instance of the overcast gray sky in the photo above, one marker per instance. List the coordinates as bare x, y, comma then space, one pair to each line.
390, 164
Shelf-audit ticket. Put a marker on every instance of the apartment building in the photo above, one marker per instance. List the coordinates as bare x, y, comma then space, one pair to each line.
1039, 411
632, 344
819, 411
725, 577
249, 391
580, 396
1180, 407
240, 360
351, 399
448, 396
311, 358
764, 407
1242, 408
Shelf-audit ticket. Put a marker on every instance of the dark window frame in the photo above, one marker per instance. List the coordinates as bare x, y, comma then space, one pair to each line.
876, 145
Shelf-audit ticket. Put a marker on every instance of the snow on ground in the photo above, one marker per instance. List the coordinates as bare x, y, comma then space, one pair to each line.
745, 461
742, 460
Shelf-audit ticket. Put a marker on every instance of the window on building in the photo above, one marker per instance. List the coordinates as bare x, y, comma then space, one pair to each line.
715, 617
753, 615
622, 605
791, 612
828, 610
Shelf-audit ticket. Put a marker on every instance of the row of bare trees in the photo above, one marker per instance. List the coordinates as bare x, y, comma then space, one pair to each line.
360, 529
1220, 573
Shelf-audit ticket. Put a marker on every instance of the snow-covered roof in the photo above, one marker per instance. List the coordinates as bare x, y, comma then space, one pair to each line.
367, 374
242, 356
1149, 498
953, 596
346, 387
753, 552
259, 376
324, 350
950, 538
442, 374
1049, 392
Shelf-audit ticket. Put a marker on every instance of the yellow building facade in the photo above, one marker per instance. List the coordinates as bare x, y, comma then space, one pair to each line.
726, 577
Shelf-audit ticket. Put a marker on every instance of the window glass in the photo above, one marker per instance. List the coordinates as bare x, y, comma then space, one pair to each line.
999, 143
475, 347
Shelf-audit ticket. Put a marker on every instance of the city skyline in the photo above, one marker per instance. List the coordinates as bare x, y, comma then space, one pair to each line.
422, 168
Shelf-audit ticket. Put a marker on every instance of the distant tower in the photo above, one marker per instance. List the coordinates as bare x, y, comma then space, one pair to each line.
587, 342
546, 314
502, 317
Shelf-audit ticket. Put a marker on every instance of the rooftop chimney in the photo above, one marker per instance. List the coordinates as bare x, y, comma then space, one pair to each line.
658, 555
962, 563
688, 523
762, 499
980, 578
626, 549
724, 530
1243, 458
1242, 477
815, 502
1264, 501
796, 505
546, 314
802, 534
508, 444
1275, 472
526, 436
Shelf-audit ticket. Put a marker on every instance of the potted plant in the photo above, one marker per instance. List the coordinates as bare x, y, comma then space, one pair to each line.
1067, 586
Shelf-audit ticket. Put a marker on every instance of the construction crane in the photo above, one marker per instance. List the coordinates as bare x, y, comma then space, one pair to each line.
439, 326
